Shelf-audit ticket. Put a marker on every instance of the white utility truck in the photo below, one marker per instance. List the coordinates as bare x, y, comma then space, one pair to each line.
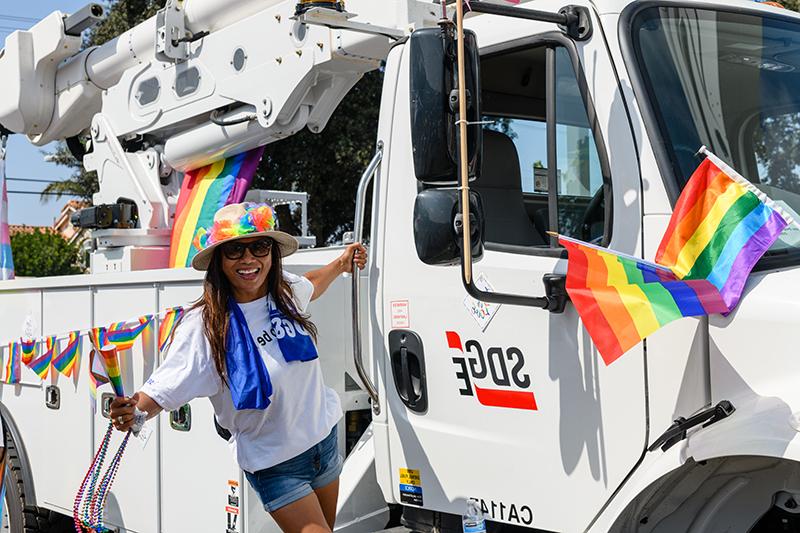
585, 118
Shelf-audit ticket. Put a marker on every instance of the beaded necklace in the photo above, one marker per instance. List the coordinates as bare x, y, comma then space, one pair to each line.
87, 511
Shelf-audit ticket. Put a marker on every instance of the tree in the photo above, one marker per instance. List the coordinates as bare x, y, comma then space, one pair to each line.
44, 253
329, 164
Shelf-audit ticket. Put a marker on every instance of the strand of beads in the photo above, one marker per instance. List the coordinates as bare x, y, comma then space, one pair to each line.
99, 501
80, 510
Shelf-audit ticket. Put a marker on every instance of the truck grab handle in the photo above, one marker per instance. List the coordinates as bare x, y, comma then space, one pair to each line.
358, 230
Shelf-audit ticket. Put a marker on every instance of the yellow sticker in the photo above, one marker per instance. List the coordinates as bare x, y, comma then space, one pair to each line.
410, 477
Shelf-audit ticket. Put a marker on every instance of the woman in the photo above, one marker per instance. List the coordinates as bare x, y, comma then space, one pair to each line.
247, 345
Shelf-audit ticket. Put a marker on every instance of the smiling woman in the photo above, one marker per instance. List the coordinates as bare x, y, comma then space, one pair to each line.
270, 395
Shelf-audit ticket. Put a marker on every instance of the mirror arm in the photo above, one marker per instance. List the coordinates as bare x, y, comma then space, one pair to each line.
573, 20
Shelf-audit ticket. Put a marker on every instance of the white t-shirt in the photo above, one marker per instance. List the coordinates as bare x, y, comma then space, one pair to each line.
302, 410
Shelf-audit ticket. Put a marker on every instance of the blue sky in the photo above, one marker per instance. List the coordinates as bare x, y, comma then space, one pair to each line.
25, 160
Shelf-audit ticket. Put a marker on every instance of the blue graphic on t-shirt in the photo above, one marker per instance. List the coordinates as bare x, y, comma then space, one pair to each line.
248, 378
293, 340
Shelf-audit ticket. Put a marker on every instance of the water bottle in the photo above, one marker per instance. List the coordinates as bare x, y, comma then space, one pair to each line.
473, 518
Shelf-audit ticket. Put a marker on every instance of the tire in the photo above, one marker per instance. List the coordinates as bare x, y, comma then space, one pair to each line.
21, 517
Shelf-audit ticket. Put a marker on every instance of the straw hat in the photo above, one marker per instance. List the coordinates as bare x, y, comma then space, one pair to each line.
240, 221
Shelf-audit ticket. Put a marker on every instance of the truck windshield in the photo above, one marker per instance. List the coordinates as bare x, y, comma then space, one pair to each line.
730, 81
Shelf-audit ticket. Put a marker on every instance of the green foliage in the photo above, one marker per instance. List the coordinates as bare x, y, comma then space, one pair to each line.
328, 165
42, 254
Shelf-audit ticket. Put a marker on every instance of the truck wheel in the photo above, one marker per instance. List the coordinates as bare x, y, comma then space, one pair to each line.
17, 515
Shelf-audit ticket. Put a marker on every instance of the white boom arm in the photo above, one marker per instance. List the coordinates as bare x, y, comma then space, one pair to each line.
155, 104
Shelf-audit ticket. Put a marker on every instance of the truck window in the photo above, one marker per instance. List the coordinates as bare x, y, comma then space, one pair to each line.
513, 183
727, 80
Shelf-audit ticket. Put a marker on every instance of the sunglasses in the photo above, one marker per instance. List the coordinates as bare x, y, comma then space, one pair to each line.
235, 250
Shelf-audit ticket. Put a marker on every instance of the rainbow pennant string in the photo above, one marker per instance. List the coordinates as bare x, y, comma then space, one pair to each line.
13, 369
203, 192
28, 348
122, 336
64, 362
41, 365
171, 319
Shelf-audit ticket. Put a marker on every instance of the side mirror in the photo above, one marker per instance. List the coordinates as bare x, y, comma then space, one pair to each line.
437, 226
434, 105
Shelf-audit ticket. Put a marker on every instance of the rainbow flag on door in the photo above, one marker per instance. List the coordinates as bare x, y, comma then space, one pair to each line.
720, 227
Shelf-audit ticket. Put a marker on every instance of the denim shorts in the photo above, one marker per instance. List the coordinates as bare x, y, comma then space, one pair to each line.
296, 478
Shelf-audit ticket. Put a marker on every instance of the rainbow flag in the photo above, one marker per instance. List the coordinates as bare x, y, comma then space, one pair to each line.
28, 348
41, 365
110, 363
65, 360
622, 299
6, 260
168, 324
122, 336
13, 369
205, 190
98, 338
720, 227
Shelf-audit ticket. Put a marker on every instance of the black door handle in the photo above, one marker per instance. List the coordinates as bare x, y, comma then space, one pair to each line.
408, 369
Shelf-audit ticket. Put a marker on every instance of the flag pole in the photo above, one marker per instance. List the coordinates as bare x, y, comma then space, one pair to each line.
462, 133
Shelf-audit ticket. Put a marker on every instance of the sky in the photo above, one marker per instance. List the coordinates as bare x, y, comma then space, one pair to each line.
25, 160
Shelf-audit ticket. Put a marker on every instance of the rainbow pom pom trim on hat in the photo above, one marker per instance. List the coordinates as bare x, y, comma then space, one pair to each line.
256, 219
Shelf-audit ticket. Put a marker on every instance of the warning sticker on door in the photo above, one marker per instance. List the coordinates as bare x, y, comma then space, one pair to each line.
400, 314
410, 487
482, 312
232, 507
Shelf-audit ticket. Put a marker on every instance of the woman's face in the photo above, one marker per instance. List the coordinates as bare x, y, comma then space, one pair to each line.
246, 264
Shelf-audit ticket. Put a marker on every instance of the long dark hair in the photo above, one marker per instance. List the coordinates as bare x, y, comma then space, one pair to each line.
214, 304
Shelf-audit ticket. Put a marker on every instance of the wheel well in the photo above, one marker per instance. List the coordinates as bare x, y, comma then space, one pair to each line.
735, 493
12, 431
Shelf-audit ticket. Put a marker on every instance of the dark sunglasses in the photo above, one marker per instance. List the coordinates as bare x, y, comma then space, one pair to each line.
235, 249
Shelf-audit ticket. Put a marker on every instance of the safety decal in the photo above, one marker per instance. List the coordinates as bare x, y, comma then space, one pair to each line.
400, 315
481, 312
232, 507
410, 487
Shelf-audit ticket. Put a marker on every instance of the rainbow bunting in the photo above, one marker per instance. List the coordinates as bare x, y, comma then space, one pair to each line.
122, 336
98, 337
6, 259
168, 324
41, 365
622, 300
13, 369
720, 227
28, 348
205, 190
65, 361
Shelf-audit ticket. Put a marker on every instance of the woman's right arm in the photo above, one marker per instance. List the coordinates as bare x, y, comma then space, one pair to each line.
122, 409
187, 372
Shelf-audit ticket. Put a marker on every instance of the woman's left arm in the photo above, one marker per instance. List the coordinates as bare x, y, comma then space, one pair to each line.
322, 278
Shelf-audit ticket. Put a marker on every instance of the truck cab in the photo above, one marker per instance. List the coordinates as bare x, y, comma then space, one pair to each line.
491, 390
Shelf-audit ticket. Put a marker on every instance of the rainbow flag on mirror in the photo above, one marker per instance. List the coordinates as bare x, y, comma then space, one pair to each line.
720, 227
205, 190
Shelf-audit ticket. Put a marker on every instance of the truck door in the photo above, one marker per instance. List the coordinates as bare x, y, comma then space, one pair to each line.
512, 405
